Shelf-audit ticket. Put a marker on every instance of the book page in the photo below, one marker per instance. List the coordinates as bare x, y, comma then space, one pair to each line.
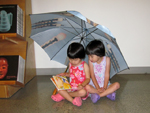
61, 82
21, 70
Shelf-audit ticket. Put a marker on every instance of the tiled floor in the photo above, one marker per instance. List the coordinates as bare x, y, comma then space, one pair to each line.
35, 97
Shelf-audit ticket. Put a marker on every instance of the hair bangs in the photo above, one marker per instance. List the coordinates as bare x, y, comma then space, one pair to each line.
76, 50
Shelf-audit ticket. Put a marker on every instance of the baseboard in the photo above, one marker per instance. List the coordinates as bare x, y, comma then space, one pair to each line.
54, 71
136, 70
49, 71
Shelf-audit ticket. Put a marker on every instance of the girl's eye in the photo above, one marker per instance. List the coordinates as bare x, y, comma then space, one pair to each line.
92, 56
4, 67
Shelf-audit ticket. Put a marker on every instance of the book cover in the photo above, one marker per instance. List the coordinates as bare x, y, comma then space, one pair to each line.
61, 82
12, 70
11, 19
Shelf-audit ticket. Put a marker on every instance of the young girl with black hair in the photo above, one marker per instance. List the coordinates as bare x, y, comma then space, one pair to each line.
99, 65
79, 74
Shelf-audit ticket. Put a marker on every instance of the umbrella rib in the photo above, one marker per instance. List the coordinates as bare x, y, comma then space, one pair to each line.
77, 38
84, 44
69, 31
84, 33
105, 38
82, 27
62, 47
88, 40
112, 41
92, 36
92, 32
73, 27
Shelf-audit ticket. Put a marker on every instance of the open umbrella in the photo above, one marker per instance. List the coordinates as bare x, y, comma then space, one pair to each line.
55, 31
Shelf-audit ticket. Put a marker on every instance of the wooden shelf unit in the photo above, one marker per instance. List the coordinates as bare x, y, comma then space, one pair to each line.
14, 44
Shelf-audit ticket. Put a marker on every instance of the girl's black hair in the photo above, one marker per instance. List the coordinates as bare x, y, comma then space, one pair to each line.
76, 50
95, 47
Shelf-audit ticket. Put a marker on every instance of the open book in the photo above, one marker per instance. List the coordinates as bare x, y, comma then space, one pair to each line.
61, 82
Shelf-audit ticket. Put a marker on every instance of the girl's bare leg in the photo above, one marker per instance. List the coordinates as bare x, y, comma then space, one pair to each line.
91, 89
80, 93
112, 88
76, 101
66, 95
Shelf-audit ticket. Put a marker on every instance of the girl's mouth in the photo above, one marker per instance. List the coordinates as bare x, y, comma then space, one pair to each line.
91, 61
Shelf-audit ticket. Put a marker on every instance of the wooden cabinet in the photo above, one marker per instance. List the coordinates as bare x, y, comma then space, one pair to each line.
14, 44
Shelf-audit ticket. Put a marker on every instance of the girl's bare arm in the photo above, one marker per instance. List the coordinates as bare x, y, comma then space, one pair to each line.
107, 72
93, 75
87, 74
67, 74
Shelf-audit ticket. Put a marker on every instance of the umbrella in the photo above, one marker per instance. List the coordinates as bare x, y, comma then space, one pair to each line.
56, 30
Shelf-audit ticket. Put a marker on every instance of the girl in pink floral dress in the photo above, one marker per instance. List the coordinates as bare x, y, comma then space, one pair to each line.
79, 76
99, 65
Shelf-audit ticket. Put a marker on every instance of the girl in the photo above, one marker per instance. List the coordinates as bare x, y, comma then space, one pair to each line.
99, 65
79, 74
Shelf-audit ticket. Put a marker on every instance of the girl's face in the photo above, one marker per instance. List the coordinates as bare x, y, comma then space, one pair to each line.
75, 61
94, 58
3, 67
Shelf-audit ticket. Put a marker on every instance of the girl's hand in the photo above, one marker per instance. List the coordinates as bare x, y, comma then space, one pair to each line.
79, 87
101, 89
61, 74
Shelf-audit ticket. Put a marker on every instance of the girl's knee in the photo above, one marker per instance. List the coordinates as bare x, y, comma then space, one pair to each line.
82, 92
87, 87
61, 91
117, 85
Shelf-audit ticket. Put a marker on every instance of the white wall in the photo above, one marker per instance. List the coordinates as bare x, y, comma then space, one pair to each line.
128, 20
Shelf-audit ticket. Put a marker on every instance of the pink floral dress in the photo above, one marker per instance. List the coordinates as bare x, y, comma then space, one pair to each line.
77, 75
99, 71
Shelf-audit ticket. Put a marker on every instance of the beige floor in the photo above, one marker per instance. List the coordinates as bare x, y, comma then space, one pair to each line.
35, 97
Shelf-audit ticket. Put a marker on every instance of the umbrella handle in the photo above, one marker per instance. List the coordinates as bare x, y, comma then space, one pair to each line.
55, 90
